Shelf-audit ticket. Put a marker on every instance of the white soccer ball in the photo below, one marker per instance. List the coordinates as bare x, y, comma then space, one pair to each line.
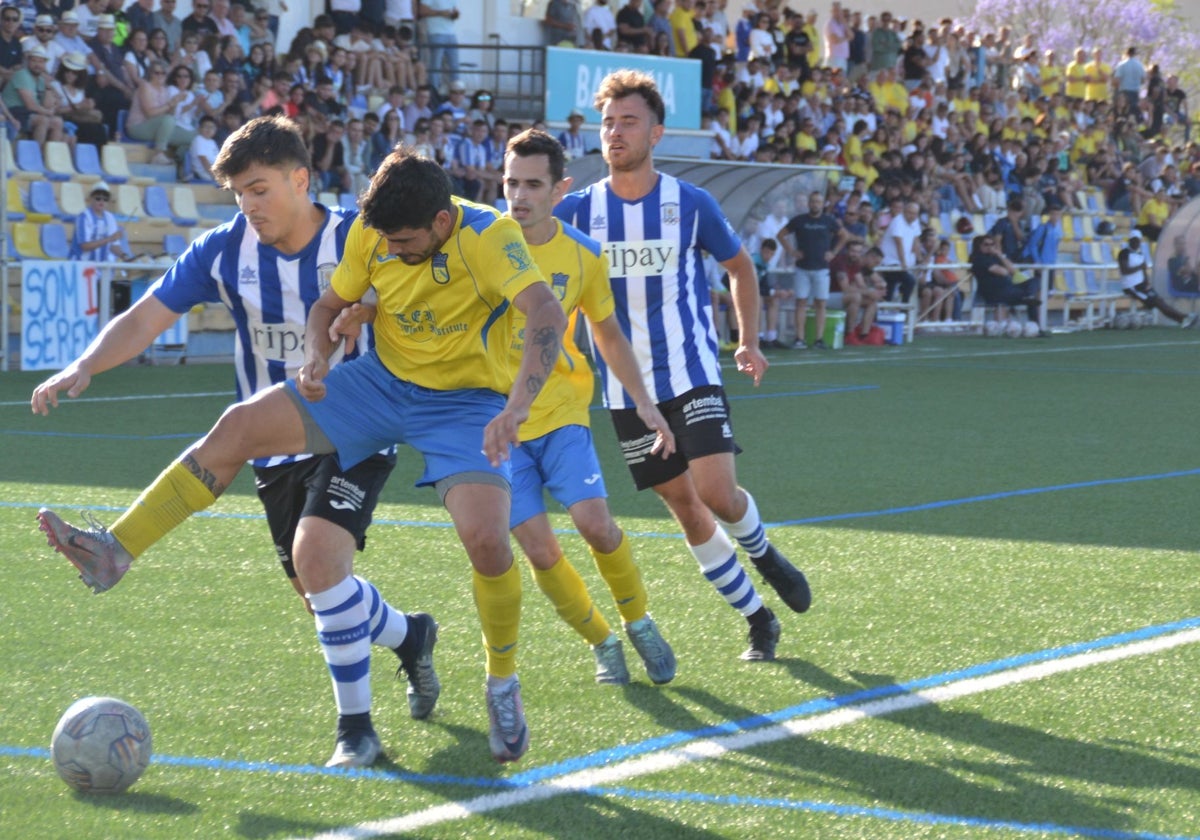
101, 745
1013, 329
1123, 321
1032, 330
993, 329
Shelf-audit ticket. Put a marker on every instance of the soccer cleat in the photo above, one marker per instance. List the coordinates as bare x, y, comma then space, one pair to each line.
1189, 321
610, 662
653, 648
95, 552
423, 684
355, 749
763, 639
799, 344
788, 581
819, 344
508, 736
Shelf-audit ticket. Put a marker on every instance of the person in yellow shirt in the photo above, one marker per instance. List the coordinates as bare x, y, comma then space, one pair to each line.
448, 275
557, 453
1051, 75
1076, 75
1155, 212
1098, 75
684, 37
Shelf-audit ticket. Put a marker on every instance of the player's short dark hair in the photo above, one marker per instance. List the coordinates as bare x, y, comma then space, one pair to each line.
534, 141
624, 83
267, 141
408, 190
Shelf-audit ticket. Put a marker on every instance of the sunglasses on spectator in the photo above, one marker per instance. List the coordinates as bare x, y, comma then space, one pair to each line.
12, 19
100, 197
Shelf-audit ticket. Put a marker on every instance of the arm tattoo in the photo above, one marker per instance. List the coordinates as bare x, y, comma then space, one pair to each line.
206, 478
547, 347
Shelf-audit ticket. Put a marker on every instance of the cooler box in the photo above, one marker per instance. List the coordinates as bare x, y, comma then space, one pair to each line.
835, 328
892, 324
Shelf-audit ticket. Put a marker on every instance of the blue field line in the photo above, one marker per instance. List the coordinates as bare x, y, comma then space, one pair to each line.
827, 704
617, 754
891, 814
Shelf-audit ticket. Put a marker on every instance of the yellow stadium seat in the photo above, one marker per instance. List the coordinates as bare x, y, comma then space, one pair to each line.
28, 241
116, 165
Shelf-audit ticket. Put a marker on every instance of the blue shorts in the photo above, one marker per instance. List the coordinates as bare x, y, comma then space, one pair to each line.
366, 408
563, 462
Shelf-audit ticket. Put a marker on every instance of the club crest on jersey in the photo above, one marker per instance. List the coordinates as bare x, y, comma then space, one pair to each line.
248, 276
669, 213
599, 222
558, 283
441, 268
518, 256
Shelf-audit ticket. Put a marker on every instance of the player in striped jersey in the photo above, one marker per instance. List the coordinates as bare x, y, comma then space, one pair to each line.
653, 229
266, 267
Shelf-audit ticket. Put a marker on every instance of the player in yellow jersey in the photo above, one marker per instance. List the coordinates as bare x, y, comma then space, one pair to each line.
556, 452
448, 275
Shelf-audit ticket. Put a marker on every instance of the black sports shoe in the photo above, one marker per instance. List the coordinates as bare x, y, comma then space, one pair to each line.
423, 684
784, 578
358, 748
763, 638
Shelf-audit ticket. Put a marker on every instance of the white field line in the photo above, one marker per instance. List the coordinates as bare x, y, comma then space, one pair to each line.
711, 748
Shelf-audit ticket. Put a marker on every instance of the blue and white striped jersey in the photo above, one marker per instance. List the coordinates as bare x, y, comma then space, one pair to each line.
654, 247
267, 292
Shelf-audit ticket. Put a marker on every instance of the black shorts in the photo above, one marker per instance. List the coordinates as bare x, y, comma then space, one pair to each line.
701, 423
319, 487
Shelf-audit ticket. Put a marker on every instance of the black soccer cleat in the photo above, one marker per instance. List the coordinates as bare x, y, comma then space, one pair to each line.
763, 639
788, 581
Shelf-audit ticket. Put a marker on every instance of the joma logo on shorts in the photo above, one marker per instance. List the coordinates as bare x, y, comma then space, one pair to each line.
641, 259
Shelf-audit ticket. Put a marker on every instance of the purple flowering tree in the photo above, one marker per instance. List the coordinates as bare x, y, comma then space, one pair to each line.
1161, 35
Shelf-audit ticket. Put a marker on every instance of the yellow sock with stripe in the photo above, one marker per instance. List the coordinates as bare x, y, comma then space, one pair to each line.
174, 496
498, 601
566, 590
623, 579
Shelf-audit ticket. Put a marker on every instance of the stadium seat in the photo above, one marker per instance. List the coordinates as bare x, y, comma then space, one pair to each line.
18, 196
11, 248
115, 164
54, 241
29, 159
42, 201
71, 198
174, 244
87, 163
127, 202
158, 206
183, 206
14, 205
58, 162
27, 240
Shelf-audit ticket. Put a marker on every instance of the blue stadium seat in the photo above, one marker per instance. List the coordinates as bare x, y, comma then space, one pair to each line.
54, 241
174, 244
158, 206
42, 200
29, 159
87, 160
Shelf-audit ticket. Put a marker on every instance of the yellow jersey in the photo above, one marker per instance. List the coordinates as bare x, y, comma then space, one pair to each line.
577, 272
1099, 81
1076, 79
444, 324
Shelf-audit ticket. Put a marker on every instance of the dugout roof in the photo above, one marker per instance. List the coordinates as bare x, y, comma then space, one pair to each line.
1177, 256
742, 189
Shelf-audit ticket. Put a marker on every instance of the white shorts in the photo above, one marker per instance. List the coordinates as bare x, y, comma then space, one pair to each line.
812, 284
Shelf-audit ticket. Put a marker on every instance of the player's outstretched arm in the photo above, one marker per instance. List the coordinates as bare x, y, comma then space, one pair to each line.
545, 322
618, 355
121, 340
347, 326
743, 288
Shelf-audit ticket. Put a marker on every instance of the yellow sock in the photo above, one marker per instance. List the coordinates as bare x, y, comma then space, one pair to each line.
174, 496
498, 601
623, 579
566, 590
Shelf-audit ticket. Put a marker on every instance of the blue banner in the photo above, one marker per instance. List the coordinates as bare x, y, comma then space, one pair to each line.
572, 77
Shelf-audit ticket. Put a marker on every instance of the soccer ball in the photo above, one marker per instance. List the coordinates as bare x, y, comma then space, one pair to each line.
101, 745
1013, 329
1123, 321
1032, 330
992, 329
